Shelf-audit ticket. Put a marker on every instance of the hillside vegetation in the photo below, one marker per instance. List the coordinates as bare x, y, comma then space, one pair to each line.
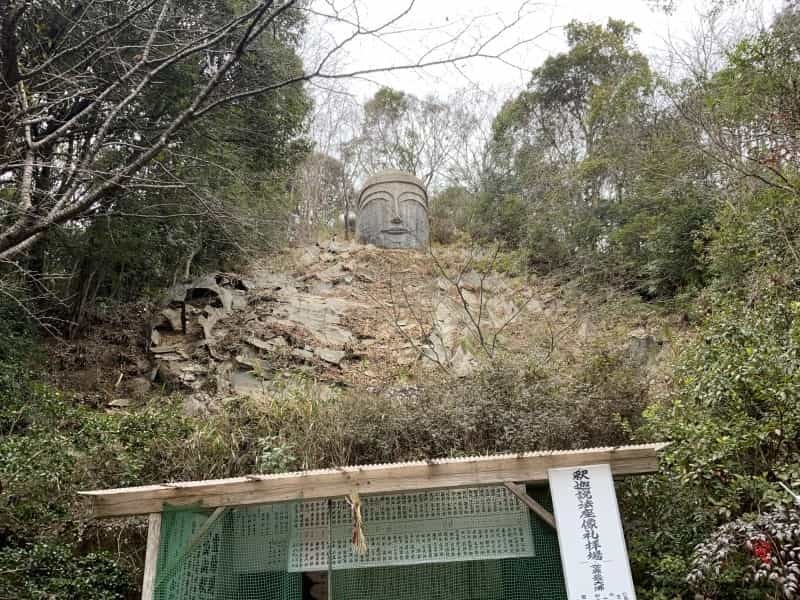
617, 261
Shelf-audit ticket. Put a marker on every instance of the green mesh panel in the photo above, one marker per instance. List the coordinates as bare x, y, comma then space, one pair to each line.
244, 555
206, 566
431, 527
536, 578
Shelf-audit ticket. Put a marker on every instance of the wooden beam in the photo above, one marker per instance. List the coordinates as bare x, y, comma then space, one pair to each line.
372, 479
541, 512
151, 556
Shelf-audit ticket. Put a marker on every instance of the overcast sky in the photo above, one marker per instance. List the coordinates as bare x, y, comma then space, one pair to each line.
438, 29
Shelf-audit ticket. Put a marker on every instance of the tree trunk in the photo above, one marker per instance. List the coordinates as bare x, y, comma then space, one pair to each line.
87, 288
346, 217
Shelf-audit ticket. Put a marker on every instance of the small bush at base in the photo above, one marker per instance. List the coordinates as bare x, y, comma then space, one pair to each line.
44, 571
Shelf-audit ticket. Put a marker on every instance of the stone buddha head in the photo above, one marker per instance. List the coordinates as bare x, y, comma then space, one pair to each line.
393, 211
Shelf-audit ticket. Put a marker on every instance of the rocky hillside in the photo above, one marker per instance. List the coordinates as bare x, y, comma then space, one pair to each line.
351, 316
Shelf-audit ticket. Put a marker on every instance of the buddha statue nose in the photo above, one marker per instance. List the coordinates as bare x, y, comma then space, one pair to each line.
396, 220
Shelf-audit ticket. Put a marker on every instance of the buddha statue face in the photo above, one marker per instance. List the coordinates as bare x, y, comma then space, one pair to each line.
393, 211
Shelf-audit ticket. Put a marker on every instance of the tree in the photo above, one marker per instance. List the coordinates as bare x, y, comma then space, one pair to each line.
93, 95
749, 112
96, 95
322, 190
401, 131
559, 150
577, 105
658, 240
111, 186
472, 111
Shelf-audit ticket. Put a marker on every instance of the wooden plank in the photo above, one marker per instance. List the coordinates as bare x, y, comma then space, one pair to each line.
540, 511
151, 556
372, 479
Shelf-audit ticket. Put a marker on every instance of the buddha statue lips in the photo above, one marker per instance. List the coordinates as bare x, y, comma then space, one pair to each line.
393, 211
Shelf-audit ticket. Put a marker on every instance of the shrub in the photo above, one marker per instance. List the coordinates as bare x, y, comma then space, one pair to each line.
545, 251
660, 253
503, 219
17, 347
451, 214
44, 571
755, 244
51, 448
502, 408
761, 555
734, 427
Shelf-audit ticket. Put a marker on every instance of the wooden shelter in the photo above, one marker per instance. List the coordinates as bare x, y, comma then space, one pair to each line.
510, 470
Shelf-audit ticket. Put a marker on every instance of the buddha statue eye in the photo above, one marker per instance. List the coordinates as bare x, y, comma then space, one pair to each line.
410, 198
378, 200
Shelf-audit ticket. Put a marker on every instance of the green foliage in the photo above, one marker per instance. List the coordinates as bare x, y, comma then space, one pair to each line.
503, 219
545, 250
659, 251
44, 571
58, 452
760, 554
17, 349
663, 521
503, 408
755, 244
735, 425
756, 93
734, 428
17, 332
566, 176
596, 83
388, 104
51, 447
451, 214
658, 242
590, 172
274, 457
733, 421
215, 194
40, 557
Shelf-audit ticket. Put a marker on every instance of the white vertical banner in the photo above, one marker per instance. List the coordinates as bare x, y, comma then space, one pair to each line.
593, 553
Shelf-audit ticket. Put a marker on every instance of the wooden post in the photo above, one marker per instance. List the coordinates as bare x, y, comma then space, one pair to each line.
544, 514
151, 556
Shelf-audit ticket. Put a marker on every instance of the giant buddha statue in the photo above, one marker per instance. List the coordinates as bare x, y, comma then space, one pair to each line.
393, 211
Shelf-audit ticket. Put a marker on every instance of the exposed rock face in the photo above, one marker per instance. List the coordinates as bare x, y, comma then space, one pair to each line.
641, 346
393, 211
346, 314
338, 316
225, 334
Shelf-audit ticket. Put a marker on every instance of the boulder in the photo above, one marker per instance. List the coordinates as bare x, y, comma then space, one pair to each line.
641, 346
